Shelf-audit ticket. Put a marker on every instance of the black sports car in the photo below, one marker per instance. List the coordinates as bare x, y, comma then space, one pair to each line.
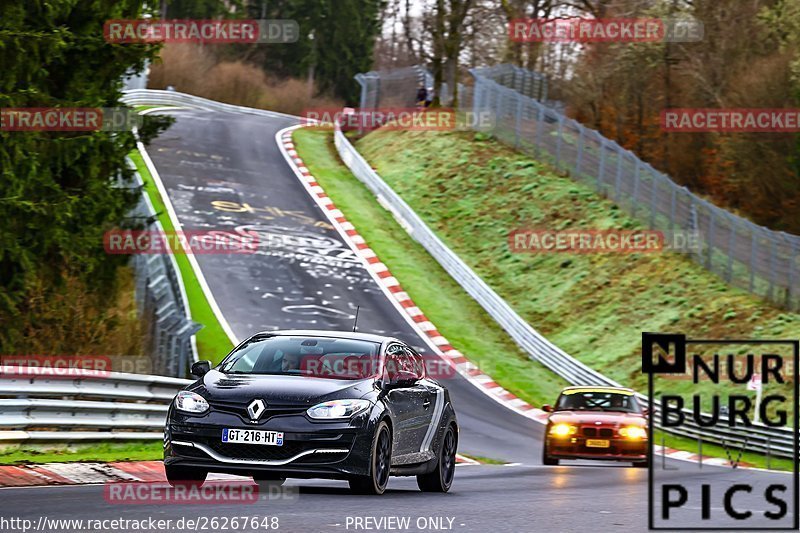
314, 404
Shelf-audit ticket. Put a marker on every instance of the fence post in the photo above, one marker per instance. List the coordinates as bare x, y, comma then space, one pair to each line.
653, 199
636, 175
559, 141
579, 161
618, 181
731, 244
772, 253
695, 225
539, 128
672, 207
753, 249
792, 274
712, 223
602, 170
517, 120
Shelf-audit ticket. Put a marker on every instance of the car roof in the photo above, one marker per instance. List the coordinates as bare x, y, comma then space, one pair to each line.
351, 335
597, 388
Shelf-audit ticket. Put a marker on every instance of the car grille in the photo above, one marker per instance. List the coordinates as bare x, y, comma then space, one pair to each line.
258, 452
603, 432
240, 410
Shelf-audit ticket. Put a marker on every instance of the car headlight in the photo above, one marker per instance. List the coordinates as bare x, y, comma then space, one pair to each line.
563, 430
338, 409
190, 402
633, 432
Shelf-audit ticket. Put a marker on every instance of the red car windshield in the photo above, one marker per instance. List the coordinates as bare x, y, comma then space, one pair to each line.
318, 357
597, 401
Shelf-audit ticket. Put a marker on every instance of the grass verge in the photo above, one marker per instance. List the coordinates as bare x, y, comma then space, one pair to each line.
732, 454
102, 452
212, 342
456, 315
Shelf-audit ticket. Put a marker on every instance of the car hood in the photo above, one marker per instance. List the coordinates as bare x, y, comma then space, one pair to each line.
279, 390
604, 417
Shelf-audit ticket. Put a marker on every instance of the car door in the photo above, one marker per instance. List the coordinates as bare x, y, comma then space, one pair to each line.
408, 405
432, 405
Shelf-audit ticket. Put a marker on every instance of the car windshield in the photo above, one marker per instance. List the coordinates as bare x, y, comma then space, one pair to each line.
597, 401
320, 357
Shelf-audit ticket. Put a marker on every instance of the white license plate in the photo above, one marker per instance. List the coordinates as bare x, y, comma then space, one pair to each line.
253, 436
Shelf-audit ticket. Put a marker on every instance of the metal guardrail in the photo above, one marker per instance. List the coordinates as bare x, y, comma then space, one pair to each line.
83, 405
153, 97
162, 302
760, 438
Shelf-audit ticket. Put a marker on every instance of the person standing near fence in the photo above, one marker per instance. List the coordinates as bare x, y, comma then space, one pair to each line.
422, 96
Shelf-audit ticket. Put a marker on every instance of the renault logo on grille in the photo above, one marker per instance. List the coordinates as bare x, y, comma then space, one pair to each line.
256, 408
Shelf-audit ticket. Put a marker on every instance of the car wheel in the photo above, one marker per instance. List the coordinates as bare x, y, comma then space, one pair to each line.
185, 476
441, 479
265, 481
546, 459
380, 464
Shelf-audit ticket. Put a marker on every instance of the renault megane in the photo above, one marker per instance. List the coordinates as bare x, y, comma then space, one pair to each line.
314, 404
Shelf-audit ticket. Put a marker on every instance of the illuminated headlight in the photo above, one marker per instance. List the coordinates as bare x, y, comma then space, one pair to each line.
563, 430
633, 432
190, 402
338, 409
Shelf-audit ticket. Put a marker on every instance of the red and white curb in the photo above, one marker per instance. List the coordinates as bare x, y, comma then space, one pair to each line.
427, 330
99, 473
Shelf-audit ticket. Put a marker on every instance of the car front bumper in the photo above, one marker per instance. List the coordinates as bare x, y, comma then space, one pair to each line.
618, 449
336, 450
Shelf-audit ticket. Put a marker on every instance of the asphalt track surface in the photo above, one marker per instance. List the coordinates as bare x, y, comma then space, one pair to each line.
224, 171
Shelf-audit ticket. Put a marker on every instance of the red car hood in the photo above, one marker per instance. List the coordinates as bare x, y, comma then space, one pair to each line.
604, 417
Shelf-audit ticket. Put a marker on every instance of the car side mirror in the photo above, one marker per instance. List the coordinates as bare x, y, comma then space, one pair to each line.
201, 368
645, 411
401, 379
547, 408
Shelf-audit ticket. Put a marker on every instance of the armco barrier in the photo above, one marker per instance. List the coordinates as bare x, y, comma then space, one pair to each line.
151, 97
761, 438
83, 406
162, 302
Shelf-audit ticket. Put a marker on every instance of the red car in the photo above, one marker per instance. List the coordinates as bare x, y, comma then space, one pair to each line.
605, 423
